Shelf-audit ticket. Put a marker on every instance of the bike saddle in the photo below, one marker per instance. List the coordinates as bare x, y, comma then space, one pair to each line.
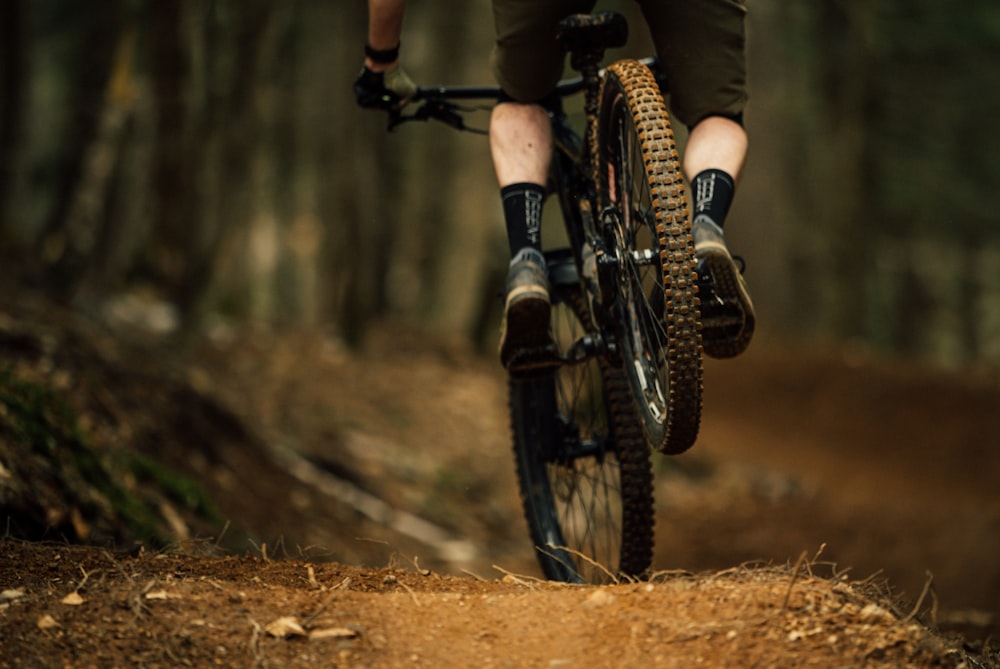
586, 36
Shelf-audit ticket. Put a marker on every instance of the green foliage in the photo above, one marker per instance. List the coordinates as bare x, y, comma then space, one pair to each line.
185, 492
53, 465
934, 101
33, 416
918, 78
892, 161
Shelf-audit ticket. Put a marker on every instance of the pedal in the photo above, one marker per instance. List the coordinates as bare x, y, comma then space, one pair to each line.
726, 325
723, 323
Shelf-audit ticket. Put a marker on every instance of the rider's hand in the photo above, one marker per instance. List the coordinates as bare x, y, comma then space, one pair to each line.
388, 90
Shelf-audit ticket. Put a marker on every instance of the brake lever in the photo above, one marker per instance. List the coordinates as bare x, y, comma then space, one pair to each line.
396, 118
439, 110
442, 111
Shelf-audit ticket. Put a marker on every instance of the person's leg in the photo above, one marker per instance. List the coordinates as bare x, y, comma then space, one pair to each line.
527, 63
702, 51
718, 143
713, 161
520, 141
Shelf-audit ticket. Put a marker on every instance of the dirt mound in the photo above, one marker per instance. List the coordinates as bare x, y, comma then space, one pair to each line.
65, 606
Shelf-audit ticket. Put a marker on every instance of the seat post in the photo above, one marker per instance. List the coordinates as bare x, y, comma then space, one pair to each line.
586, 37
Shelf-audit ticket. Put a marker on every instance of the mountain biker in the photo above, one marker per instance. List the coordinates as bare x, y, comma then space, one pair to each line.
701, 48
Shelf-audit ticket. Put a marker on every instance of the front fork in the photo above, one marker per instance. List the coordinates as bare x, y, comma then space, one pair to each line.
599, 278
604, 271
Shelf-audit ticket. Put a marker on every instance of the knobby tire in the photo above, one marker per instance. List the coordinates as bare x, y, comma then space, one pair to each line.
583, 466
645, 219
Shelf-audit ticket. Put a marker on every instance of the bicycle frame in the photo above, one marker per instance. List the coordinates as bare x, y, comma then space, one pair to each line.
571, 180
571, 174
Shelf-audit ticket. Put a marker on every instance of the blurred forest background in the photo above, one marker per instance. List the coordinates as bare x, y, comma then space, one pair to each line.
207, 156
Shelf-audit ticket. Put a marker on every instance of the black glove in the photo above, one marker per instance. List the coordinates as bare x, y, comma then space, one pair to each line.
384, 90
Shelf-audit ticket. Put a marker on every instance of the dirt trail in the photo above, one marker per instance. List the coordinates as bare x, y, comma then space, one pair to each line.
892, 467
862, 468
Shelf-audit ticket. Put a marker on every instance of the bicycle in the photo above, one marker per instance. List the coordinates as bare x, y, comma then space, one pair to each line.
625, 314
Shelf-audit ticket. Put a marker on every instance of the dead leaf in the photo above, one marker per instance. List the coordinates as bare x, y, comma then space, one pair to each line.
9, 595
72, 599
80, 525
334, 633
285, 627
47, 622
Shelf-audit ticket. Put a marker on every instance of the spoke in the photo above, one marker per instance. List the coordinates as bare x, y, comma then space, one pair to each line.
638, 239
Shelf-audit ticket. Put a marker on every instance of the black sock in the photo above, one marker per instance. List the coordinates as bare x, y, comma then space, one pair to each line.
713, 194
522, 212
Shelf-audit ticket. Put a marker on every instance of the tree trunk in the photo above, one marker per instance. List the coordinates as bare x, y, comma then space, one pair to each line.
13, 68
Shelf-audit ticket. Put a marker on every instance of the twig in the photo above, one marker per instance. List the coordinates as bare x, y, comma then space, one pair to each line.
413, 595
326, 602
473, 574
212, 582
586, 558
920, 600
416, 565
520, 580
815, 557
791, 582
86, 575
871, 580
254, 644
662, 575
279, 546
218, 540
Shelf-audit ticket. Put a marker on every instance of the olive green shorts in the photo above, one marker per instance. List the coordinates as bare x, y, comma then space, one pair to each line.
701, 45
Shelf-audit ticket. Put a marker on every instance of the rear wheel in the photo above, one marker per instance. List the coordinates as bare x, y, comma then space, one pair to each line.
583, 466
645, 220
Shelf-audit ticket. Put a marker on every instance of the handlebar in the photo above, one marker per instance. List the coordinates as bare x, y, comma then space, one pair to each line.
436, 102
437, 105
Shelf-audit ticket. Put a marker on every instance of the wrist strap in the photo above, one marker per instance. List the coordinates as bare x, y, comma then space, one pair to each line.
382, 56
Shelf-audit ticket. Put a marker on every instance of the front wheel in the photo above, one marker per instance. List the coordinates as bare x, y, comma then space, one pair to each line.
645, 220
583, 466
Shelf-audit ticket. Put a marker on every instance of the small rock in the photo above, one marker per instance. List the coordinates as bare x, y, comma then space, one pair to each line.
874, 613
285, 627
600, 597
